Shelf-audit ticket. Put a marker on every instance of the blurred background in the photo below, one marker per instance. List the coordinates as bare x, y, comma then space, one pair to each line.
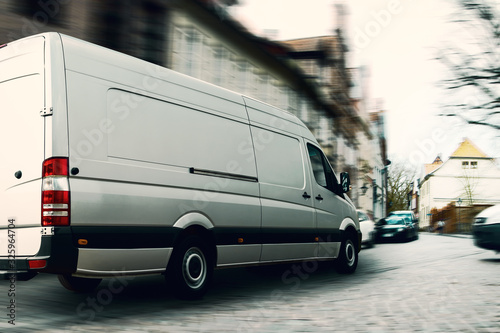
323, 79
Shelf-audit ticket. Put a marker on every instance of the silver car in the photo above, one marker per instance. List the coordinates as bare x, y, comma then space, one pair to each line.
367, 227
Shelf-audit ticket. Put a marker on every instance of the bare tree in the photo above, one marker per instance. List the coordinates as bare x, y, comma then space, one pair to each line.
469, 182
474, 65
400, 182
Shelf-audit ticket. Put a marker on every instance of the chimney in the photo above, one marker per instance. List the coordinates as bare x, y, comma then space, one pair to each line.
340, 13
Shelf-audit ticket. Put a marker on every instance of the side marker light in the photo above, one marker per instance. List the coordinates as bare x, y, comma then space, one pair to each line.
82, 241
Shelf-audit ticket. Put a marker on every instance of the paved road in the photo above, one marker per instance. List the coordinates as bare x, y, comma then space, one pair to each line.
436, 284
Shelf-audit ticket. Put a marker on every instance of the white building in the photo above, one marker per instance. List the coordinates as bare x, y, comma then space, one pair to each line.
371, 182
468, 177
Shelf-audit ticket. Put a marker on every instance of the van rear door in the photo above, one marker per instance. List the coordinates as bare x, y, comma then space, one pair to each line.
22, 91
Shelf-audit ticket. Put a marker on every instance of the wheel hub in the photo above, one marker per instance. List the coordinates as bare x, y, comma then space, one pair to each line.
194, 268
350, 253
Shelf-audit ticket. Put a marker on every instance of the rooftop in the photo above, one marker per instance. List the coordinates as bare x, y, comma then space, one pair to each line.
469, 150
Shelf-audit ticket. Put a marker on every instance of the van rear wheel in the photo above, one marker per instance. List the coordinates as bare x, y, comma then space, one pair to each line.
78, 284
348, 256
190, 269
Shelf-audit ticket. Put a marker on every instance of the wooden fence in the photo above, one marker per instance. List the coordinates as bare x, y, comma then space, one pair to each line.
458, 219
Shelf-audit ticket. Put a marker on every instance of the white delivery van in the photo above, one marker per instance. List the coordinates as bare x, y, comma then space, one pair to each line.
115, 166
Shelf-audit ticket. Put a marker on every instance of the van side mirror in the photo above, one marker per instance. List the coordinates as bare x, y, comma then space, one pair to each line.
345, 182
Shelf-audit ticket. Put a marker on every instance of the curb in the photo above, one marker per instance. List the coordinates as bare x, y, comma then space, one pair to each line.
452, 235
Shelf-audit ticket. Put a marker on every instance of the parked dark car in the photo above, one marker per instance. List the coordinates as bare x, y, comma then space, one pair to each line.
408, 214
395, 227
486, 229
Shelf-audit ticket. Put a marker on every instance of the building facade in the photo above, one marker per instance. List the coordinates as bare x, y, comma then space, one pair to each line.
372, 158
469, 177
377, 154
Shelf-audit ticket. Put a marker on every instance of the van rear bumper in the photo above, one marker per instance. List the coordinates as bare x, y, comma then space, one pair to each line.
56, 249
18, 275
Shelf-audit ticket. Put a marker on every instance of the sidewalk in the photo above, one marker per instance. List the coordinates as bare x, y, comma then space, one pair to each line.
450, 235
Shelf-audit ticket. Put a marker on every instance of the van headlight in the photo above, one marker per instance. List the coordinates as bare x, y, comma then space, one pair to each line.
480, 220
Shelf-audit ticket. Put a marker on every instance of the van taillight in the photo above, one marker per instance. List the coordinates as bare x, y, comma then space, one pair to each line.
55, 192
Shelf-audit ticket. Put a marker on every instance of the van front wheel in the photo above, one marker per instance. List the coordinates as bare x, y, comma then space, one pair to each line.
78, 284
190, 269
348, 256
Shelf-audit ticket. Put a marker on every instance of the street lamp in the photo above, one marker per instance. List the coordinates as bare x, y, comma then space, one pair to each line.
459, 202
364, 189
384, 185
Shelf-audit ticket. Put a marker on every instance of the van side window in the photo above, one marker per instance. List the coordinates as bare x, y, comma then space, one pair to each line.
279, 158
317, 165
322, 170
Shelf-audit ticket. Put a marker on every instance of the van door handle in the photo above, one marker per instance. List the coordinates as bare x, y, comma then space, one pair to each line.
319, 197
306, 196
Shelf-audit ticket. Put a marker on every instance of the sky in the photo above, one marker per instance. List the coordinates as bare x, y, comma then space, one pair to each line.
397, 40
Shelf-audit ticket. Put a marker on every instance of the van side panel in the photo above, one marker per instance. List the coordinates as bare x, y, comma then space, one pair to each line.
150, 151
166, 133
22, 92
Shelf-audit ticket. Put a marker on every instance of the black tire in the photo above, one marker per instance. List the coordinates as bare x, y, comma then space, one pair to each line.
78, 284
370, 244
190, 269
348, 257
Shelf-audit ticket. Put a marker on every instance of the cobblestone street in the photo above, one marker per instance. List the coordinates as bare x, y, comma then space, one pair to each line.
435, 284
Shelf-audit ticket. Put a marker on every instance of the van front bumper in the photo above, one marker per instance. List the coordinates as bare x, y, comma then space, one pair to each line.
487, 236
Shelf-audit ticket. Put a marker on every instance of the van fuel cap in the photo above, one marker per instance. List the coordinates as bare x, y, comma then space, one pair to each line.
18, 174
